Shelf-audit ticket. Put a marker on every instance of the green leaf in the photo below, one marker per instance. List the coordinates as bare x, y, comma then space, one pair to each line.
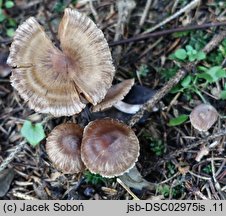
189, 48
143, 70
74, 2
10, 32
223, 95
11, 22
179, 120
186, 81
9, 4
180, 34
202, 68
205, 76
176, 89
192, 56
216, 73
201, 55
180, 54
221, 73
33, 133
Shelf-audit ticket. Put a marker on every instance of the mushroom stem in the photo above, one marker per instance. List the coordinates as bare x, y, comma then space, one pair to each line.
129, 108
134, 179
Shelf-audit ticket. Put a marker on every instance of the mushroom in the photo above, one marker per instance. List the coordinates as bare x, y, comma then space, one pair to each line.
115, 94
63, 147
203, 117
61, 82
109, 148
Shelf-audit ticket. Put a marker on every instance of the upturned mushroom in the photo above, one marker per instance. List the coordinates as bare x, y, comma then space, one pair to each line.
203, 117
114, 95
63, 147
61, 82
109, 148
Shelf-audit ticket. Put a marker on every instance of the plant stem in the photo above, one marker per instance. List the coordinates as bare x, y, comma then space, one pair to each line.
12, 155
165, 32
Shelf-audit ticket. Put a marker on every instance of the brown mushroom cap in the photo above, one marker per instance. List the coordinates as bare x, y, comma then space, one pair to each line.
63, 147
203, 117
109, 147
115, 93
53, 81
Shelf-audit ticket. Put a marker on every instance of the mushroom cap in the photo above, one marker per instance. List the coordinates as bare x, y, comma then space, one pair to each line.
64, 147
115, 93
109, 148
203, 117
54, 81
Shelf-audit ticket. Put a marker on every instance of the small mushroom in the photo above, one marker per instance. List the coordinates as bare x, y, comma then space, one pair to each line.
63, 147
109, 148
61, 82
115, 94
203, 117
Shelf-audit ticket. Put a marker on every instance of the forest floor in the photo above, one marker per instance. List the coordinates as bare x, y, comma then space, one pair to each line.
184, 61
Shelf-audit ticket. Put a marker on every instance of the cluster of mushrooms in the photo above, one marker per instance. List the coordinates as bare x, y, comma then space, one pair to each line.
62, 81
105, 146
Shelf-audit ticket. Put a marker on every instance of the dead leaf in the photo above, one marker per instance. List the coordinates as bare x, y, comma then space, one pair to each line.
6, 177
134, 180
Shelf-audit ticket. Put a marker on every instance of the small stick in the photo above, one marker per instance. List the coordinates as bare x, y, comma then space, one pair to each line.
187, 8
176, 153
23, 196
144, 15
12, 155
45, 2
94, 12
166, 32
127, 189
160, 94
174, 80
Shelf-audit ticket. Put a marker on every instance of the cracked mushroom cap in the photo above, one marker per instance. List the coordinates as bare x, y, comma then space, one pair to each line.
64, 147
115, 93
109, 148
61, 82
203, 117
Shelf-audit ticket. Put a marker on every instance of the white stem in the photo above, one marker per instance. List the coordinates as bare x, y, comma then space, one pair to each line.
127, 108
130, 108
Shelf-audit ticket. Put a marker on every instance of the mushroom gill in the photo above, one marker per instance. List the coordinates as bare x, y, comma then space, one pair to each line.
54, 81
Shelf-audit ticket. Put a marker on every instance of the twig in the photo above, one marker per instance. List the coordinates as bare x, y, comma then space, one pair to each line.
45, 8
28, 5
174, 6
195, 191
125, 7
214, 42
93, 10
127, 189
160, 94
23, 196
169, 179
12, 155
124, 10
199, 176
144, 15
187, 8
185, 149
166, 32
174, 80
